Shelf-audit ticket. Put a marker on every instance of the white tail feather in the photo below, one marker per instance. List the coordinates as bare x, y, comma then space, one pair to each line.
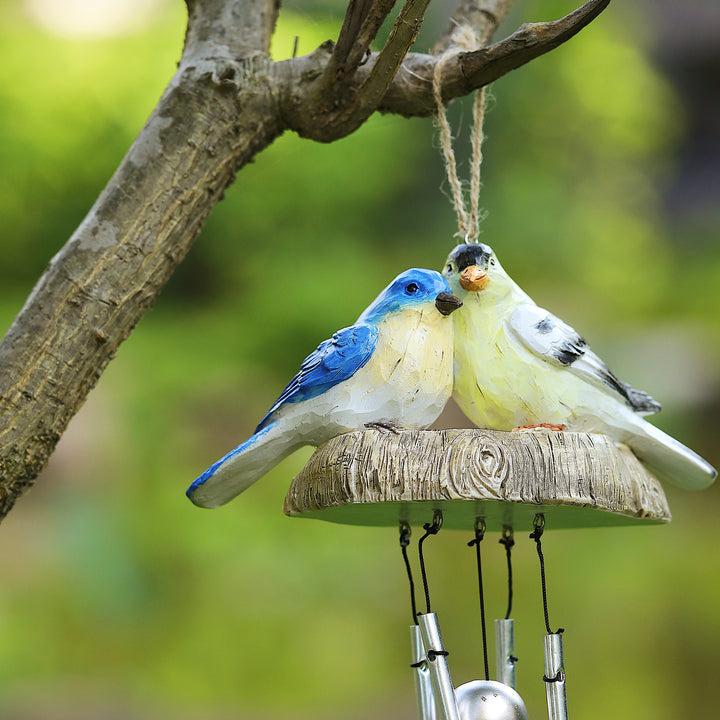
669, 459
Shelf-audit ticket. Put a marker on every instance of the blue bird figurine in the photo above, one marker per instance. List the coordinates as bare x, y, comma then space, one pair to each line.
392, 369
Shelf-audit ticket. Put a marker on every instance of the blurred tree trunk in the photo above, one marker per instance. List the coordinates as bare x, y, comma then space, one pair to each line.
227, 101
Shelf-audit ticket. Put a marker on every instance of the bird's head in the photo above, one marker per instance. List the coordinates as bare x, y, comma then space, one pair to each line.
475, 274
471, 267
413, 288
474, 268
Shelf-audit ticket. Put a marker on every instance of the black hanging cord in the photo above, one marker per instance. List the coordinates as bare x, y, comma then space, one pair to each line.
479, 535
430, 529
559, 675
508, 541
405, 533
539, 524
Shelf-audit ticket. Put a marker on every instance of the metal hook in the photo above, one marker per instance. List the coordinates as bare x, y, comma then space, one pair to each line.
538, 524
507, 537
430, 529
405, 532
434, 527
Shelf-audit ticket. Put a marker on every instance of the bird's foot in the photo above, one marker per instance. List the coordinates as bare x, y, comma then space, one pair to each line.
539, 426
385, 427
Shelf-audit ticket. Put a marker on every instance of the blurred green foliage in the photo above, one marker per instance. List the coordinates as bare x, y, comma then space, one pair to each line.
120, 599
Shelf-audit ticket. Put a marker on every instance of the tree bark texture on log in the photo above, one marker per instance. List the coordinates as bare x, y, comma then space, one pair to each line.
505, 478
227, 101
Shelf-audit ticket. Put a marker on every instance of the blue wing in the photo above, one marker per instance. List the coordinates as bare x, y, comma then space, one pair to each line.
335, 360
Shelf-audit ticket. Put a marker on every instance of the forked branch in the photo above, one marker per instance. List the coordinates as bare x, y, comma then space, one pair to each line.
387, 63
395, 81
337, 104
362, 22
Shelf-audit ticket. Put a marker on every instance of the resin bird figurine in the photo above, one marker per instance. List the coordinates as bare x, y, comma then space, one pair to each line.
392, 369
518, 366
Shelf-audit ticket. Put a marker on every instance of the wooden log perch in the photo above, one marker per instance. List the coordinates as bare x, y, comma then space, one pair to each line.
380, 478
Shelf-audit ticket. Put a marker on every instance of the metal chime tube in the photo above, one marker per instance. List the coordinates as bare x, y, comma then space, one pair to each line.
423, 684
444, 692
555, 677
505, 652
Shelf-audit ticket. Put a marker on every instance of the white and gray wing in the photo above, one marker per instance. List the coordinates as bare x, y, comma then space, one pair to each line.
557, 343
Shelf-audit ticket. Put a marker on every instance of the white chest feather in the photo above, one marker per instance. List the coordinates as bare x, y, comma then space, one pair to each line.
407, 381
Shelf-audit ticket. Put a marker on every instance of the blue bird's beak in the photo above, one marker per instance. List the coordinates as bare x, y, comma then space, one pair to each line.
447, 303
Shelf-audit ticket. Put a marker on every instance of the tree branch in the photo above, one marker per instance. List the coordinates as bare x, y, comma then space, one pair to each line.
386, 65
355, 15
483, 16
335, 107
238, 29
216, 114
410, 94
374, 20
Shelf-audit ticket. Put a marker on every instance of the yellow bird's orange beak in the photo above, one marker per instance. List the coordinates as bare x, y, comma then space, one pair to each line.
474, 279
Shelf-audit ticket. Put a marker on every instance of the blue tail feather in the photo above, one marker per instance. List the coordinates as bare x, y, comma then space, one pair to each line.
202, 479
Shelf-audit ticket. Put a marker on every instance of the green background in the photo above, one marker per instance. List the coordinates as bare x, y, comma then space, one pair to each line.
119, 599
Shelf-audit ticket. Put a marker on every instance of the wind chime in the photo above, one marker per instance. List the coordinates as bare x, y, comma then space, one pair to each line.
476, 480
479, 480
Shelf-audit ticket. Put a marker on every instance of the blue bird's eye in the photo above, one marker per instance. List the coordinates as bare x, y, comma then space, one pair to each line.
411, 288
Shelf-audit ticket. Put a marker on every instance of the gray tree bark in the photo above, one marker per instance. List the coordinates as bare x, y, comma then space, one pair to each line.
227, 101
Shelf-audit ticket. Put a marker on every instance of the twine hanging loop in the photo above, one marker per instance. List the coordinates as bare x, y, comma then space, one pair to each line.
468, 220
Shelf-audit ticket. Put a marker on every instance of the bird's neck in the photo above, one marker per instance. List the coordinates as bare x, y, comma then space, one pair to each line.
501, 297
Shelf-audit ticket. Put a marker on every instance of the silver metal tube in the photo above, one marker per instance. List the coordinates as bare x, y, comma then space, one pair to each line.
424, 697
504, 652
555, 677
445, 703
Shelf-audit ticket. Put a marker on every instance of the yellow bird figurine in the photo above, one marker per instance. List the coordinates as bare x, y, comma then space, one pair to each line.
518, 366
